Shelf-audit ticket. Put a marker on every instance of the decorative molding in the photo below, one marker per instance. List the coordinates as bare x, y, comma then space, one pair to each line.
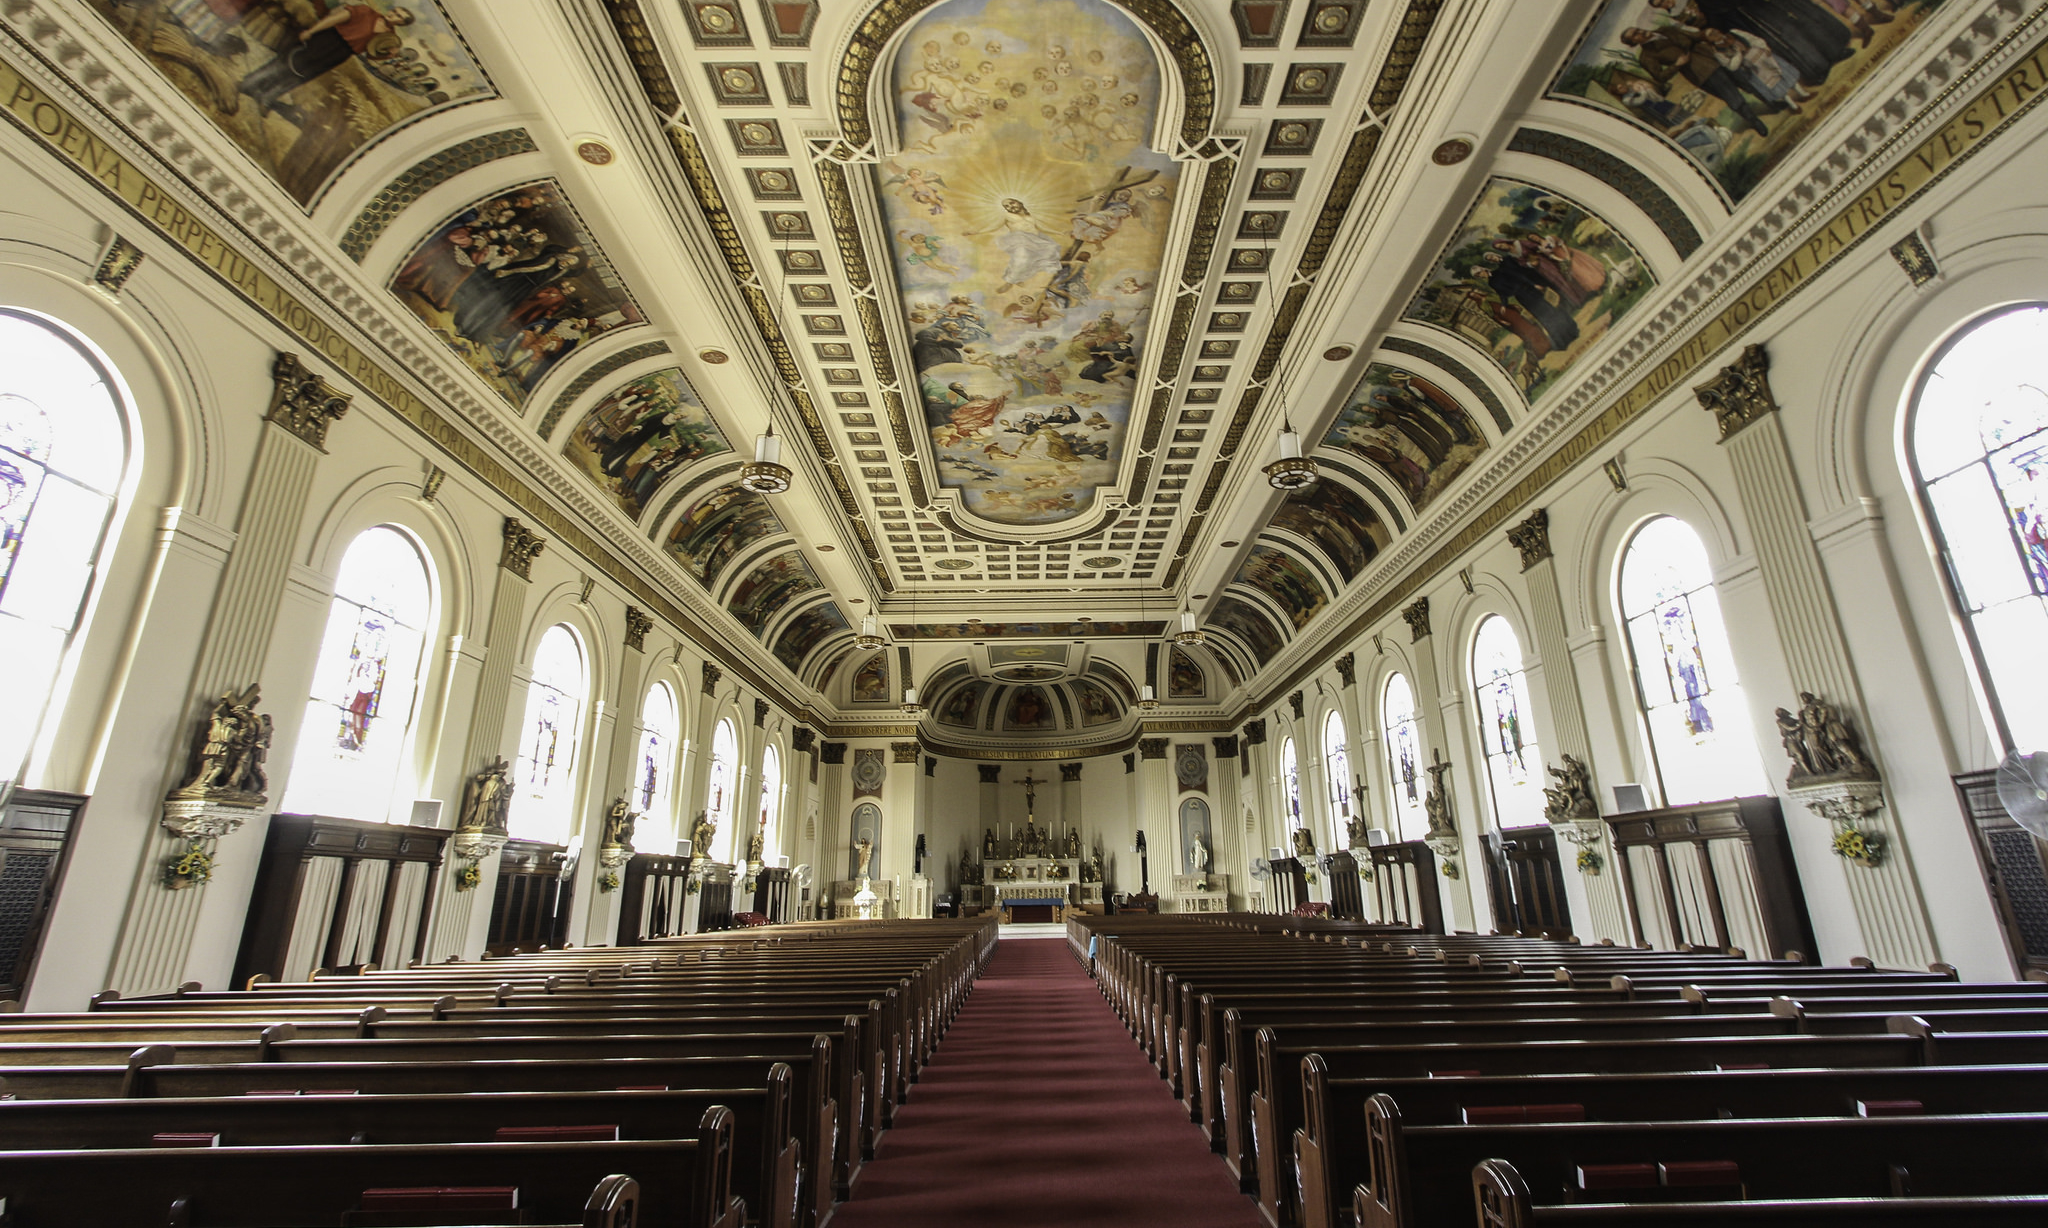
301, 402
1532, 538
430, 486
522, 546
1639, 188
760, 713
1417, 615
1070, 773
1916, 260
117, 264
1740, 393
903, 752
1347, 669
1152, 748
1294, 703
638, 624
710, 676
423, 177
598, 370
991, 773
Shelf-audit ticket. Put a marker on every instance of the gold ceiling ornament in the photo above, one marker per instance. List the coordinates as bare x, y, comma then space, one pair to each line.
1451, 152
766, 474
597, 153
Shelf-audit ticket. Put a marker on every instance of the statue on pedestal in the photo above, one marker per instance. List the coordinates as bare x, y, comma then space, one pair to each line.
618, 825
1198, 853
988, 844
757, 845
486, 799
1034, 839
701, 834
1821, 745
865, 851
231, 748
1572, 798
1073, 843
1304, 844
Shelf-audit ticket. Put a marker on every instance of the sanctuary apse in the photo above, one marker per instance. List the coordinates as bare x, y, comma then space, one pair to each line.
466, 498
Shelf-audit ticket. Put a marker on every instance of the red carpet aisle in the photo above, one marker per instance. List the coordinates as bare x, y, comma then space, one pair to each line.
1038, 1109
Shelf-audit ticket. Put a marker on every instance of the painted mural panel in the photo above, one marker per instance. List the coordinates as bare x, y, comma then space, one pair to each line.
992, 631
1029, 215
1030, 708
1736, 84
1251, 628
960, 707
1534, 280
299, 85
1411, 429
765, 590
514, 285
648, 429
1339, 520
806, 631
1098, 706
1282, 577
717, 527
871, 680
1183, 677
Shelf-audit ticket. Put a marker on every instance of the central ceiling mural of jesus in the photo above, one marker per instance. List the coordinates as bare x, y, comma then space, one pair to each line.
1028, 214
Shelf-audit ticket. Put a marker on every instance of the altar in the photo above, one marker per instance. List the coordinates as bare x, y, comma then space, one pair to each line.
1037, 888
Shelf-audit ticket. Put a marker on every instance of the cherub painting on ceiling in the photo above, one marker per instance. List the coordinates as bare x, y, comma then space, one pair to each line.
630, 442
1534, 280
1413, 430
1734, 83
1030, 215
514, 285
300, 85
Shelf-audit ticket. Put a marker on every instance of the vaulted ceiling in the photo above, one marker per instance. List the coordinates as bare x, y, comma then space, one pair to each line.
1028, 288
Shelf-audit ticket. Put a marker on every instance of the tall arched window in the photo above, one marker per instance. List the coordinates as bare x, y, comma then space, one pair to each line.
63, 449
771, 795
354, 743
544, 778
1514, 764
1337, 771
654, 766
1700, 734
1290, 784
1980, 454
718, 797
1404, 758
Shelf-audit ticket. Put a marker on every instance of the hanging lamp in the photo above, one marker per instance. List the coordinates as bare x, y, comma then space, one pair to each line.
1293, 470
766, 475
1189, 634
1147, 698
870, 636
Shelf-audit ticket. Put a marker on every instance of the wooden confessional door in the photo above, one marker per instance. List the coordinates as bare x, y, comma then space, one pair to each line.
1527, 882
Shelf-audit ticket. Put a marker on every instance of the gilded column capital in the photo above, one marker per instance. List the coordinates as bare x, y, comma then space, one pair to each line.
1741, 393
1255, 732
1226, 747
1152, 748
1418, 620
301, 402
522, 547
760, 713
804, 741
903, 752
1347, 669
638, 624
1070, 773
991, 773
832, 752
1532, 538
1294, 703
710, 678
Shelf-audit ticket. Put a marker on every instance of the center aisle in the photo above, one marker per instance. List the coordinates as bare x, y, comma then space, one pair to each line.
1038, 1108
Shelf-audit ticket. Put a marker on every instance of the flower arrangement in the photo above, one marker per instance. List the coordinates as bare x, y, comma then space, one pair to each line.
192, 868
1451, 869
1590, 860
468, 877
696, 885
608, 881
1309, 876
1865, 848
1365, 871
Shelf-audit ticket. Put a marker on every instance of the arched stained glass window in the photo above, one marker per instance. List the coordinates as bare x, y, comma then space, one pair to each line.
718, 798
1337, 771
63, 449
1290, 784
544, 777
1404, 758
771, 796
654, 765
1980, 452
1514, 764
1700, 734
355, 742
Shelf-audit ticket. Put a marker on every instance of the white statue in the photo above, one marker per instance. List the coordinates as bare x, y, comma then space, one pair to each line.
1198, 853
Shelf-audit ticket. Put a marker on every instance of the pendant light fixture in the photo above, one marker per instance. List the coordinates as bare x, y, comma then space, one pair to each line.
1189, 634
766, 475
1147, 699
870, 637
1293, 470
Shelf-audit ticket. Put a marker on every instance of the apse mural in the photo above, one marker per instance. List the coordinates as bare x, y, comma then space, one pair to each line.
960, 707
717, 527
302, 86
806, 631
1029, 214
1030, 708
871, 680
1413, 430
1282, 577
1098, 706
765, 590
1250, 627
1736, 84
1336, 518
1534, 280
1183, 676
633, 439
514, 285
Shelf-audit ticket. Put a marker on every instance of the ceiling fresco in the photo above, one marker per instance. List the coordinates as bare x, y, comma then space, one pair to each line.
771, 585
300, 86
717, 527
805, 631
1029, 214
1734, 84
1283, 578
1338, 521
1412, 430
1534, 280
514, 284
636, 437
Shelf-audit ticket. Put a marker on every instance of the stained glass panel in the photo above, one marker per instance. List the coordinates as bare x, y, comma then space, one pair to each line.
1404, 758
1514, 762
1698, 720
653, 765
718, 796
1337, 771
771, 794
1290, 783
544, 776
